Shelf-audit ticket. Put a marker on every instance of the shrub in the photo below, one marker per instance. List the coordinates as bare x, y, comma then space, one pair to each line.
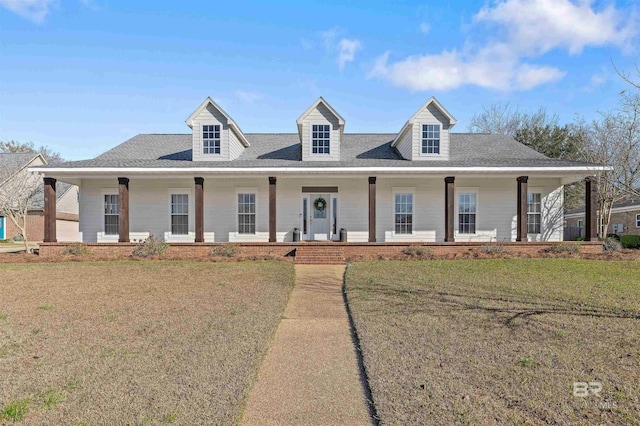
150, 247
493, 248
224, 250
562, 248
417, 251
630, 241
612, 244
76, 250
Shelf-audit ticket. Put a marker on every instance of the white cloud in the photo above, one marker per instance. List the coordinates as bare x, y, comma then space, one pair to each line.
248, 97
306, 44
450, 70
537, 26
347, 51
34, 10
345, 48
424, 28
329, 38
91, 4
526, 29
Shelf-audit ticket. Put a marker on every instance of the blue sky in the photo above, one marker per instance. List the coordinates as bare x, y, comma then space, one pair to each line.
82, 76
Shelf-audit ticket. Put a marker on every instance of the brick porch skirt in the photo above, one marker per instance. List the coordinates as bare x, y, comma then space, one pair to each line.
360, 251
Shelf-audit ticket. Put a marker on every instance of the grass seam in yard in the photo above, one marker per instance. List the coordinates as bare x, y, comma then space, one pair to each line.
362, 371
263, 357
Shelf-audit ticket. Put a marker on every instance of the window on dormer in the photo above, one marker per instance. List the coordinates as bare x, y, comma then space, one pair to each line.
431, 139
320, 139
211, 139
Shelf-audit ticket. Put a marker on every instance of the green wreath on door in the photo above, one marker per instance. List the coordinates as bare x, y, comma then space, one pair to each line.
320, 204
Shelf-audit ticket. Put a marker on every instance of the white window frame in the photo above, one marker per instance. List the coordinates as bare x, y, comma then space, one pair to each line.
237, 213
638, 220
420, 139
320, 123
108, 191
580, 223
202, 138
467, 190
535, 191
403, 190
191, 221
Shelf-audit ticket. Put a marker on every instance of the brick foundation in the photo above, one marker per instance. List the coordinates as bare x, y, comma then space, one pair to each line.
352, 251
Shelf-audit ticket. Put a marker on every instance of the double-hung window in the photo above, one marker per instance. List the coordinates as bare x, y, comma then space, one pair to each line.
431, 139
246, 213
534, 213
467, 210
111, 214
403, 216
211, 139
638, 221
320, 139
179, 214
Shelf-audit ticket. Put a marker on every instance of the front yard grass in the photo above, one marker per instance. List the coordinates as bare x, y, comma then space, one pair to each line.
135, 342
499, 341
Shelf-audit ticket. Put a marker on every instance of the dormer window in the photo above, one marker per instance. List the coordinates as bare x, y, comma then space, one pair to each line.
211, 139
320, 139
431, 139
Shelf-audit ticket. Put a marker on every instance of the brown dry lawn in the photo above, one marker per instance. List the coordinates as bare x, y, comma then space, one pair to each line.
499, 341
135, 342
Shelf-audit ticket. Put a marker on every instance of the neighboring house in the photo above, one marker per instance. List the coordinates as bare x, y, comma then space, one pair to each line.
625, 220
220, 184
16, 166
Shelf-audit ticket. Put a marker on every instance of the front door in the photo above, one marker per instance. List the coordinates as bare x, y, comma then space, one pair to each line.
320, 217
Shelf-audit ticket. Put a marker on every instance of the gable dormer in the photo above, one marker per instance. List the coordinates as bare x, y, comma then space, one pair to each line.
216, 137
320, 129
425, 136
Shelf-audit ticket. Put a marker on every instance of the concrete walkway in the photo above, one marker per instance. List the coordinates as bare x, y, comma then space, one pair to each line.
310, 375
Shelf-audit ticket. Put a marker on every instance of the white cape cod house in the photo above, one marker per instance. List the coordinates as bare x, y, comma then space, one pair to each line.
219, 184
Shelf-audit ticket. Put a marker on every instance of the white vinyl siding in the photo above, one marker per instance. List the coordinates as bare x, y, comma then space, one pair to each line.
430, 116
210, 116
320, 116
404, 146
150, 206
235, 146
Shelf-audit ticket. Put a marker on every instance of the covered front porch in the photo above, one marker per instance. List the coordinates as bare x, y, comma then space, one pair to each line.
270, 209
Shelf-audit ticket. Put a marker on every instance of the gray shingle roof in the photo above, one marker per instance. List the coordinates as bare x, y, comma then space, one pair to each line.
37, 201
13, 161
284, 150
